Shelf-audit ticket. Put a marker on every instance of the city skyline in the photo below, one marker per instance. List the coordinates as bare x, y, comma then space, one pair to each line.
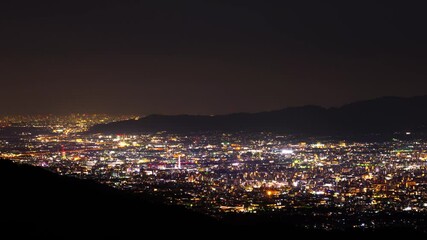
343, 184
123, 117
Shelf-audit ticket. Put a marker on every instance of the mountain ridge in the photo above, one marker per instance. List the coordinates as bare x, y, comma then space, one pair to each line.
381, 115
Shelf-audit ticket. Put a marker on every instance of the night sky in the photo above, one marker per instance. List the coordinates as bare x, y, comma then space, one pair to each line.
207, 57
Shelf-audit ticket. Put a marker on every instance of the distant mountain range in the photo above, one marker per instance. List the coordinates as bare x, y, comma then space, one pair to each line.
381, 115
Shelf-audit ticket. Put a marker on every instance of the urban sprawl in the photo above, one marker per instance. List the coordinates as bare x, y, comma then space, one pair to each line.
221, 173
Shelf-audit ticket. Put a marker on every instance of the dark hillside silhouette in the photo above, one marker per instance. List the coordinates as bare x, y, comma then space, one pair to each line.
43, 202
382, 115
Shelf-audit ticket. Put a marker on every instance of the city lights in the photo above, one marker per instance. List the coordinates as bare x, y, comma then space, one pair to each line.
218, 173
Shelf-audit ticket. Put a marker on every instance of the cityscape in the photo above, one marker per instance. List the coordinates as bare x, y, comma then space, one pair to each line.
219, 173
126, 119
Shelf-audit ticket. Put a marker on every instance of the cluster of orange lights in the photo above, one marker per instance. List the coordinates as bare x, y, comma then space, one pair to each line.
272, 192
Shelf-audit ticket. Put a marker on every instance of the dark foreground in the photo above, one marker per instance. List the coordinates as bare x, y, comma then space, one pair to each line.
35, 202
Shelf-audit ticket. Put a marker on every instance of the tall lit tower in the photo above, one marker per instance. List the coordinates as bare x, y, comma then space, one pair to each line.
63, 153
179, 162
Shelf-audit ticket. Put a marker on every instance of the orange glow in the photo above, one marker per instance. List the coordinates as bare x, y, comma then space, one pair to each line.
272, 192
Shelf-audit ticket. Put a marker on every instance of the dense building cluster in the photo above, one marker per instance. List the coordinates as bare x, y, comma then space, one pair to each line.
61, 124
222, 172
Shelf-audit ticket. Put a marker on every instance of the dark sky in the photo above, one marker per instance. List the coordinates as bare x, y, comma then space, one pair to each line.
207, 57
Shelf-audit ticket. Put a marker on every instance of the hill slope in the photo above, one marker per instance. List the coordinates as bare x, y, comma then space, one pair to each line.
382, 115
45, 203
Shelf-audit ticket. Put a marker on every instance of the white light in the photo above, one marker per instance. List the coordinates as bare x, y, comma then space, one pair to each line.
287, 151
